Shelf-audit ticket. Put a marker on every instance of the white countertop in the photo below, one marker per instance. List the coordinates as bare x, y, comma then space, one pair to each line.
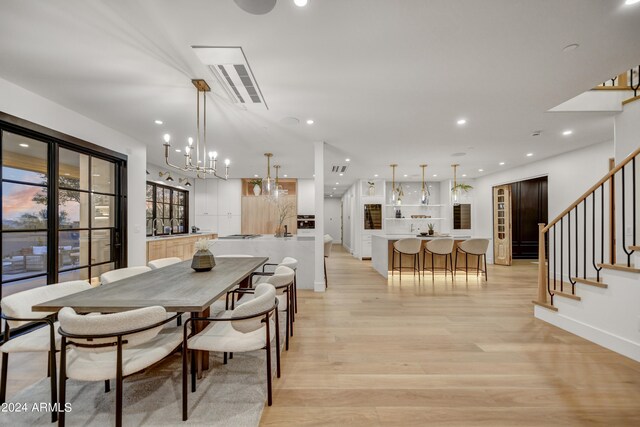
176, 236
270, 238
406, 236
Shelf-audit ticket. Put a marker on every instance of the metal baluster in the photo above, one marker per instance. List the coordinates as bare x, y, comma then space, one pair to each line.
633, 184
554, 257
584, 234
561, 253
624, 216
569, 246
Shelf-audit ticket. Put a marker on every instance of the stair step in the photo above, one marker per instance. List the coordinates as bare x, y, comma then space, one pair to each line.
591, 282
566, 295
545, 305
620, 267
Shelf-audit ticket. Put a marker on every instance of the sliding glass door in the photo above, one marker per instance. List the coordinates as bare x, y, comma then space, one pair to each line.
63, 209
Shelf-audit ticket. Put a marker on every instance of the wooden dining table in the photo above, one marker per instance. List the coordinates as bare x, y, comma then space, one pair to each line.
176, 287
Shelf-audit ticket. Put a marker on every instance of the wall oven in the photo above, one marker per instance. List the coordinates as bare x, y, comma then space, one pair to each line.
306, 225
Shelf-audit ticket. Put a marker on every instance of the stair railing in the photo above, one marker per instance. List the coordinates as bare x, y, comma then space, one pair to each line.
583, 237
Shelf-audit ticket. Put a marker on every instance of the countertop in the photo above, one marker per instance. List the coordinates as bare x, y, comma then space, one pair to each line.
270, 238
176, 236
406, 236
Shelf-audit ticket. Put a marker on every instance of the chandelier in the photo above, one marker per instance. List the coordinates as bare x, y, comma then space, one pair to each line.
196, 157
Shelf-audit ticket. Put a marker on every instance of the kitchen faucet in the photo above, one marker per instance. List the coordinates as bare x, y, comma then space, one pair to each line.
171, 225
153, 226
411, 230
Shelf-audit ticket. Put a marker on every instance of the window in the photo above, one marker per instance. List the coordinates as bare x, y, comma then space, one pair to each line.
63, 207
167, 210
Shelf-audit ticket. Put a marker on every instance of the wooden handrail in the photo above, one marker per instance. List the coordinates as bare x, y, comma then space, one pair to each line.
587, 193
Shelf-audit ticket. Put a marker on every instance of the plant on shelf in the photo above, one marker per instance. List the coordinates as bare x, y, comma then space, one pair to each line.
461, 187
257, 186
430, 226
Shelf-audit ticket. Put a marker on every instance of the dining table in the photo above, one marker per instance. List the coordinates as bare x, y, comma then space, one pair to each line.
176, 287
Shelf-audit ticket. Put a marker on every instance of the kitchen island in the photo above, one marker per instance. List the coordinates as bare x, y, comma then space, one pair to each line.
276, 248
382, 251
174, 245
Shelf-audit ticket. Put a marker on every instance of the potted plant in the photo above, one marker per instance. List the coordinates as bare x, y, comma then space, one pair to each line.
257, 186
461, 187
203, 259
430, 226
285, 209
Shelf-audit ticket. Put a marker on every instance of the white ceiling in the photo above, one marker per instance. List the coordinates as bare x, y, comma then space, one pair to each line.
385, 81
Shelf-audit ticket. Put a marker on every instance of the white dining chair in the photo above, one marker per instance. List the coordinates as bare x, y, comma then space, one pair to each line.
163, 262
438, 247
409, 246
17, 312
101, 347
122, 273
250, 326
292, 263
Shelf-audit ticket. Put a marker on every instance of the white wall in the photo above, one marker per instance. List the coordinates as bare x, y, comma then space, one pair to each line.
347, 218
27, 105
627, 130
332, 218
569, 176
306, 194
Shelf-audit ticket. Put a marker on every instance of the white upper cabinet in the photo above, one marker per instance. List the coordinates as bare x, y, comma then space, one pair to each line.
230, 197
206, 197
306, 197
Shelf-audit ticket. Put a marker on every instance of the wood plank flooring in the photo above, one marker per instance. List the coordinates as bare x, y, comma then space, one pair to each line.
371, 352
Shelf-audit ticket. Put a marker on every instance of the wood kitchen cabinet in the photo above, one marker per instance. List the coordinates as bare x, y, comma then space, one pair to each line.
181, 247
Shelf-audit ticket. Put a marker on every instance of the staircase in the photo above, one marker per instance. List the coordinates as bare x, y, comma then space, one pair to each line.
589, 263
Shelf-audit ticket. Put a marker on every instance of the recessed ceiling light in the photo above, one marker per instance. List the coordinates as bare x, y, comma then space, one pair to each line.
96, 174
347, 159
330, 195
158, 122
310, 122
501, 163
341, 174
285, 175
464, 174
569, 132
334, 188
23, 145
572, 46
375, 175
529, 154
337, 183
458, 154
178, 150
255, 175
462, 121
300, 3
405, 175
480, 170
435, 174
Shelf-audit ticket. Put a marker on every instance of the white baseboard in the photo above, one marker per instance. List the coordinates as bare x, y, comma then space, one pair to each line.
605, 339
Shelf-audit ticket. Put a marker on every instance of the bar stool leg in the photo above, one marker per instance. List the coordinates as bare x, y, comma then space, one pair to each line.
466, 266
486, 277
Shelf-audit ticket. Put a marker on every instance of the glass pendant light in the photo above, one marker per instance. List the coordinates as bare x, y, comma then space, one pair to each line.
455, 191
424, 196
277, 191
268, 184
393, 183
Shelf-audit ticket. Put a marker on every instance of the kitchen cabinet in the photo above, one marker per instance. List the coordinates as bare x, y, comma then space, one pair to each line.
229, 224
206, 197
366, 246
207, 222
181, 247
229, 197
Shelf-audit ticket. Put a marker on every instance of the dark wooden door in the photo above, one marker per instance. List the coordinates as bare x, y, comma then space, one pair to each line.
529, 207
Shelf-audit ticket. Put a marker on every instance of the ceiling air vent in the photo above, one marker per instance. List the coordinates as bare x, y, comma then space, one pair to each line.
338, 169
231, 69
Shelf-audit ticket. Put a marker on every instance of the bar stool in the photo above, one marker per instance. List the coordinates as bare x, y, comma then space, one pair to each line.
438, 247
410, 246
477, 247
328, 244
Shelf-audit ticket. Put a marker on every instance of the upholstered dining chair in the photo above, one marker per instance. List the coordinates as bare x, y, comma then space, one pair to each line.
328, 244
410, 246
438, 247
282, 279
292, 263
100, 347
477, 247
122, 273
17, 312
163, 262
250, 326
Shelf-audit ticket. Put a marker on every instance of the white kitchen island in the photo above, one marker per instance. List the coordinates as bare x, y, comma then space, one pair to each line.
382, 249
276, 248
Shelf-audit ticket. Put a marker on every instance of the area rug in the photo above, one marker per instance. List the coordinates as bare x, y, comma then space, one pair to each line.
228, 395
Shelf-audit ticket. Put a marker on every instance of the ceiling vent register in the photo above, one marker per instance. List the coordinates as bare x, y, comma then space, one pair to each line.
338, 169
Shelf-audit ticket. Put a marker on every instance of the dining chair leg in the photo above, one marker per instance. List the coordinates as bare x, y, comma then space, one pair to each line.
445, 267
455, 269
326, 279
286, 333
184, 382
119, 384
193, 371
451, 265
268, 348
48, 364
231, 355
400, 266
486, 277
393, 262
225, 358
466, 265
63, 380
433, 268
277, 345
478, 266
53, 374
3, 380
107, 386
295, 291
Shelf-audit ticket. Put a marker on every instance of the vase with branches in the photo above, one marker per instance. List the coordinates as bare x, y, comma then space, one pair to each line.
285, 209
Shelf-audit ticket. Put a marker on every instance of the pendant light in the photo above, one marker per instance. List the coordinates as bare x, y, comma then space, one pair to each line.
455, 191
277, 189
424, 196
393, 183
268, 184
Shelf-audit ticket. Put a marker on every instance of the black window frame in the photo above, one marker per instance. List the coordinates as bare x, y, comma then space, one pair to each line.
185, 205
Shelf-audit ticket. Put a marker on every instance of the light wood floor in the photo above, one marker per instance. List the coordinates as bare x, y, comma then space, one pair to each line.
372, 352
